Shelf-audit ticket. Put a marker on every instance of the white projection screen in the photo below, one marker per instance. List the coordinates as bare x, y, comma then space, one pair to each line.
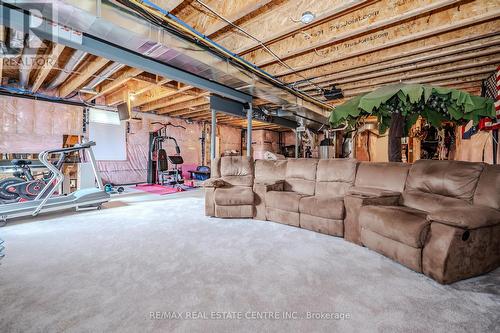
109, 134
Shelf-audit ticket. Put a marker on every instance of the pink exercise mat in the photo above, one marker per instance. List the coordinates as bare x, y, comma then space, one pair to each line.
156, 189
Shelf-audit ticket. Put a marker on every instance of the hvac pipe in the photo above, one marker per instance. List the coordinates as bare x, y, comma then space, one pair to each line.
213, 131
73, 62
249, 129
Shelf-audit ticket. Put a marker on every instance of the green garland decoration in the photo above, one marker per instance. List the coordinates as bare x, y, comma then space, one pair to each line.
435, 104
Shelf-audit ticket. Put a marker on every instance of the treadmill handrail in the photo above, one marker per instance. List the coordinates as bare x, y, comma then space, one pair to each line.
57, 174
76, 147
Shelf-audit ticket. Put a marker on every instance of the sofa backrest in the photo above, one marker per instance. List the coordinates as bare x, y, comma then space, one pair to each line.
237, 170
269, 171
300, 175
432, 185
335, 176
382, 175
454, 179
488, 188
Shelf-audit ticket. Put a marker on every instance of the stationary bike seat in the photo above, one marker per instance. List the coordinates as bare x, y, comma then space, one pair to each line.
20, 162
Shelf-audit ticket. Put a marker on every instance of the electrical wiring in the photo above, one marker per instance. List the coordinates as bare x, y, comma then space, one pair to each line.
147, 9
28, 93
264, 46
20, 91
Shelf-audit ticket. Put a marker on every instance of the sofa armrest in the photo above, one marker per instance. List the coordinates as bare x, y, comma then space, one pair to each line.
353, 204
471, 217
271, 186
214, 183
371, 192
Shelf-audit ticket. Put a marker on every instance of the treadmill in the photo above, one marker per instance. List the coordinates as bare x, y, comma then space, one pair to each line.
84, 199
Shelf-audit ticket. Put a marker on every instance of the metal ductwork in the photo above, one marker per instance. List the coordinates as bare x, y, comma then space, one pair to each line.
68, 69
28, 58
11, 43
16, 43
154, 51
109, 21
105, 74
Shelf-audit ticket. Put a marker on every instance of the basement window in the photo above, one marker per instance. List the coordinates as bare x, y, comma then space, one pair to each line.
109, 133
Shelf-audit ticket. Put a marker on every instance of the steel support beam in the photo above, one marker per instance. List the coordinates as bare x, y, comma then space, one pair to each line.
227, 106
18, 20
213, 133
249, 129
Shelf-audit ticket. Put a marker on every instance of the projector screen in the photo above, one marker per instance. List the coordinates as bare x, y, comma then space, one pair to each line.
109, 134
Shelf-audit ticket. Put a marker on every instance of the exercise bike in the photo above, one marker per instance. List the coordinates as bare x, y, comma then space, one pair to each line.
46, 201
23, 185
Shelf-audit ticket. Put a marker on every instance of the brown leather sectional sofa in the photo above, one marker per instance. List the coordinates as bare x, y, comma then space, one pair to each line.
440, 218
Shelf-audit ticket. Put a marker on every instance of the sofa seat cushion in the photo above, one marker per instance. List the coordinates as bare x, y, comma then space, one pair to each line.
430, 202
372, 192
233, 196
287, 201
402, 224
473, 217
323, 206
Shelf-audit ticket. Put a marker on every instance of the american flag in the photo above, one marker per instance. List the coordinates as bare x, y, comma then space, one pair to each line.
493, 91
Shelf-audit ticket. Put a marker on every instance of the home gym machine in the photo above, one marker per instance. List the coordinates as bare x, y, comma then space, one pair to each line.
159, 171
45, 201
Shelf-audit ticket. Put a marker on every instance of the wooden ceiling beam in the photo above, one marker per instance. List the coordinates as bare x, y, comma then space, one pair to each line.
117, 82
158, 93
48, 65
200, 113
159, 83
236, 16
461, 85
235, 11
428, 60
448, 43
413, 72
169, 5
320, 37
458, 78
183, 105
279, 34
121, 95
428, 78
274, 23
343, 51
200, 117
82, 76
166, 102
190, 110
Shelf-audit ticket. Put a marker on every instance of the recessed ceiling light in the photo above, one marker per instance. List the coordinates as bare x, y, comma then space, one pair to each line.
307, 17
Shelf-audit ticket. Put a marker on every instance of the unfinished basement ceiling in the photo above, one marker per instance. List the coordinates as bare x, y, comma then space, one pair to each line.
356, 46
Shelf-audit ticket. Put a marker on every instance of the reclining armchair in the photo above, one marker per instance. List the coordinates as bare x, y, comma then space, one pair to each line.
447, 225
376, 184
228, 192
465, 241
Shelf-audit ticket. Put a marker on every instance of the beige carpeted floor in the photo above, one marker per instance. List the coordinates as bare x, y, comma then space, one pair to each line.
108, 270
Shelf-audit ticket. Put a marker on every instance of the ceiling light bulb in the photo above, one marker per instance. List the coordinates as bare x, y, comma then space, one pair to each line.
307, 17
